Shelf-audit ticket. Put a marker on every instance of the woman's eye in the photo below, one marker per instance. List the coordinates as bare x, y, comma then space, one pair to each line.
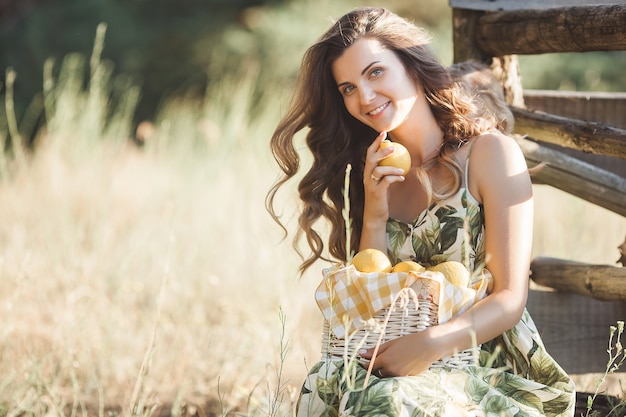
348, 89
376, 72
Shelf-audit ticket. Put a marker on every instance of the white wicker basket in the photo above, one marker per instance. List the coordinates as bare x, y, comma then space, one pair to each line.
403, 320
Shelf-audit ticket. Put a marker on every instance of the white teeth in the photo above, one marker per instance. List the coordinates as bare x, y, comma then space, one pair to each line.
378, 109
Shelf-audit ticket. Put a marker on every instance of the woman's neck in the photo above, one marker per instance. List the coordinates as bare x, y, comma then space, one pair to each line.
419, 133
422, 144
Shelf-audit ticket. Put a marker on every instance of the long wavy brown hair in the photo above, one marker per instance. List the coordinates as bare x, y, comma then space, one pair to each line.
336, 139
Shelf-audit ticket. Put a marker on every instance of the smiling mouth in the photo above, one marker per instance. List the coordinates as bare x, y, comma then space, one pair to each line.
378, 109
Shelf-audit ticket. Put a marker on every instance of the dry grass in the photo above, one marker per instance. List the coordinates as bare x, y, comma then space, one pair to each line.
85, 248
89, 240
94, 230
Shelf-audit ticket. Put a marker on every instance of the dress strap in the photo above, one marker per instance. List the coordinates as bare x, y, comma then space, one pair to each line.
469, 153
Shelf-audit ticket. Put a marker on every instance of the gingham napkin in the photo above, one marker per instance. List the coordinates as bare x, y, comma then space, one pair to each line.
349, 298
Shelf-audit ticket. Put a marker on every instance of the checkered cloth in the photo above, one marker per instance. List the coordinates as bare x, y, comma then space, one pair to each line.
348, 298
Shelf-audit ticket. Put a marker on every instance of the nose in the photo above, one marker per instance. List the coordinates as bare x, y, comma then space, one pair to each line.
367, 94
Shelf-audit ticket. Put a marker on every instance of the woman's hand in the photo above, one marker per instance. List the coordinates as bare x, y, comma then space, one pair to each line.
404, 356
377, 179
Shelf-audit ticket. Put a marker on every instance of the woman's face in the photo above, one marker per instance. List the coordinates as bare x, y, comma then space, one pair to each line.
375, 86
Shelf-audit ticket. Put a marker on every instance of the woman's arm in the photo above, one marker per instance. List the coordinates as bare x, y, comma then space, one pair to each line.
499, 178
376, 182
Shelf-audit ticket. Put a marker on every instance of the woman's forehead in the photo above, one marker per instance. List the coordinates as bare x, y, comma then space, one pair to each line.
360, 55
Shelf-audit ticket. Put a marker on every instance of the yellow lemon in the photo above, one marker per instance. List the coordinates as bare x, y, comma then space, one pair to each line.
371, 260
406, 266
455, 272
400, 158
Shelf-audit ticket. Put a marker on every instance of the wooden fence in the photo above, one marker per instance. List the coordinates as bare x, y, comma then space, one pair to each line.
581, 137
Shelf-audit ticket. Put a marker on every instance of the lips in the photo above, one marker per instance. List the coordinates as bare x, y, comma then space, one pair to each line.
378, 109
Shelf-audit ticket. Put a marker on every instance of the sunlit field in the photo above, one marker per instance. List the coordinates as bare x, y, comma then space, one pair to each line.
568, 227
150, 280
140, 276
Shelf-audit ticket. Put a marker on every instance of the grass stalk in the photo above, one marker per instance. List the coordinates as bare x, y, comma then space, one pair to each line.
346, 213
617, 356
277, 395
137, 404
49, 99
96, 102
17, 142
224, 410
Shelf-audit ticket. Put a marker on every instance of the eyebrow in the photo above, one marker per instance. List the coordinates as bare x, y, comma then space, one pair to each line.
362, 72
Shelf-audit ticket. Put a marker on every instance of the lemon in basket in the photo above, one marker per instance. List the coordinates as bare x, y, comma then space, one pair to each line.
371, 260
455, 272
406, 266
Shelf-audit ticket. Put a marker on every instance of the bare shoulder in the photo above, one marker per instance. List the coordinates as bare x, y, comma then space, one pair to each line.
495, 150
496, 163
495, 141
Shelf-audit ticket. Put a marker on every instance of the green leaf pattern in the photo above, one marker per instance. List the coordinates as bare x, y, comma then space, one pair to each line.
438, 234
397, 233
515, 376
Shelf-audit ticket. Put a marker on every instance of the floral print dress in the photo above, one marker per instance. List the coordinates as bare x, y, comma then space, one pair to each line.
515, 375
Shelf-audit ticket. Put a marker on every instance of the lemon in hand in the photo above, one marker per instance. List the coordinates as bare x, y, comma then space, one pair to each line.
371, 260
400, 158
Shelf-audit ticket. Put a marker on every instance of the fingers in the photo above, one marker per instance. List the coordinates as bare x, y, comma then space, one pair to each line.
373, 173
381, 365
366, 353
376, 143
374, 156
376, 182
391, 173
398, 357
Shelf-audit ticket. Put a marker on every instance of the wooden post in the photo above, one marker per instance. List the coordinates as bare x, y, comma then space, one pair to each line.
464, 39
505, 68
507, 71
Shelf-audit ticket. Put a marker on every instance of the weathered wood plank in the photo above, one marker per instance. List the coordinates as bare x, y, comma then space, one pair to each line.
592, 106
576, 177
575, 328
602, 282
497, 5
565, 29
576, 134
605, 163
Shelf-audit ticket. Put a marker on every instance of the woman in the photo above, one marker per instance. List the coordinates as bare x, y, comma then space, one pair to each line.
372, 76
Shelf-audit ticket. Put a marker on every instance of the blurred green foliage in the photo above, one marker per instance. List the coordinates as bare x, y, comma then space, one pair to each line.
156, 42
180, 47
590, 71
